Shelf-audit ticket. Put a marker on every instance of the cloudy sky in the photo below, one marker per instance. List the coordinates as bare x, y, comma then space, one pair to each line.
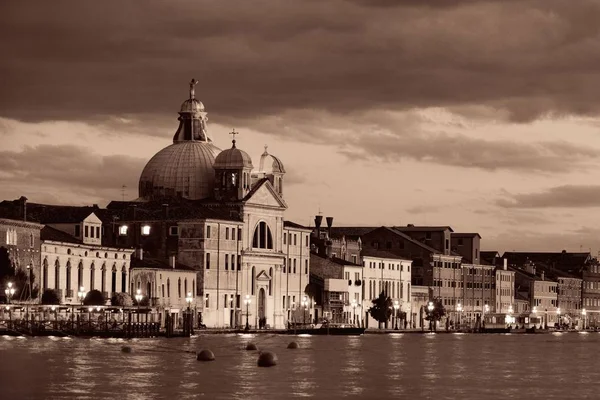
482, 115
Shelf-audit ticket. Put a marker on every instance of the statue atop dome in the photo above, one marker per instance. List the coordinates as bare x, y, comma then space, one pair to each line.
193, 84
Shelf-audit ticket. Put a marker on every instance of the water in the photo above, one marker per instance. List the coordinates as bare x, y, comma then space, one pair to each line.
407, 366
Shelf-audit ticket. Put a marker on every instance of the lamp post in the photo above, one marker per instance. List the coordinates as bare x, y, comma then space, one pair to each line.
430, 309
583, 314
396, 307
534, 310
247, 302
510, 317
189, 300
81, 294
558, 317
9, 291
138, 299
304, 305
354, 311
486, 309
459, 310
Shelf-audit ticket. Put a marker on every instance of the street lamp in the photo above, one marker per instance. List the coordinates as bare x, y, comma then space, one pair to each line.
486, 309
430, 309
354, 305
558, 317
9, 291
459, 309
583, 313
247, 302
189, 300
81, 294
304, 305
396, 307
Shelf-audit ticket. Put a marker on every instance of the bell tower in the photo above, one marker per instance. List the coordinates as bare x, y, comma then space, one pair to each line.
232, 173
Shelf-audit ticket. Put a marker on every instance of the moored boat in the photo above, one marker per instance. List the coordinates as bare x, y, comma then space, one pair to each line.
327, 329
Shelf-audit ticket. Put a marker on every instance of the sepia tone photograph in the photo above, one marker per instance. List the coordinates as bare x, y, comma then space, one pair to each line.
284, 199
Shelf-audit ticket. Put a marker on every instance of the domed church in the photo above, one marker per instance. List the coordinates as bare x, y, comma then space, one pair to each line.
213, 212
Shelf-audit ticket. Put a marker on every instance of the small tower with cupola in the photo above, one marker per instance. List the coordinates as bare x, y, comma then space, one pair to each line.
233, 168
274, 172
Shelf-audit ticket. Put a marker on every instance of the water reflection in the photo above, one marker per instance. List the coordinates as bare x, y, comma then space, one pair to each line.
414, 366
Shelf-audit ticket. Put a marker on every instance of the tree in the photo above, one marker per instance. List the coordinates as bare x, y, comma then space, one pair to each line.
145, 302
18, 276
121, 300
50, 297
436, 314
381, 310
94, 298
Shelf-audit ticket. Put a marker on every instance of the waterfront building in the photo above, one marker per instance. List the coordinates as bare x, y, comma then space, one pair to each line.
542, 293
20, 245
69, 264
338, 287
575, 277
391, 274
419, 299
504, 294
169, 287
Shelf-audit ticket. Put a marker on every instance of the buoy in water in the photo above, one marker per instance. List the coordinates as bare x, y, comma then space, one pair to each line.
126, 349
251, 346
267, 359
205, 355
292, 345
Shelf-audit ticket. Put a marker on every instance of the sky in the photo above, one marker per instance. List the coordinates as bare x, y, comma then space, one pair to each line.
481, 115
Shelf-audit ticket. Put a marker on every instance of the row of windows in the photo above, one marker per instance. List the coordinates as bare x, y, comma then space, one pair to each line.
461, 284
180, 294
504, 292
292, 266
291, 239
538, 302
356, 276
505, 278
392, 289
236, 261
230, 233
390, 266
88, 231
144, 230
12, 238
85, 254
80, 278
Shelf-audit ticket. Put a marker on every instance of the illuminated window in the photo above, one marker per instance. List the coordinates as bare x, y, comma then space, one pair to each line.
146, 230
123, 230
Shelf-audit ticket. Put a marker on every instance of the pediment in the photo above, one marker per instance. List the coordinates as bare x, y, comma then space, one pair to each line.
265, 195
263, 276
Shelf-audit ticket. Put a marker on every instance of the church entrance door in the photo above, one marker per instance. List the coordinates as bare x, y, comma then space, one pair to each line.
261, 303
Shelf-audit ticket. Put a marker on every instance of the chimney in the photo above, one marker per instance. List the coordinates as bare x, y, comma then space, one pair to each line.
173, 262
165, 208
329, 225
543, 275
23, 207
318, 220
505, 264
139, 253
95, 206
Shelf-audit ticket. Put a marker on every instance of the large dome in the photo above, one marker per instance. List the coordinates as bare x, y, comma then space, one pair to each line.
183, 169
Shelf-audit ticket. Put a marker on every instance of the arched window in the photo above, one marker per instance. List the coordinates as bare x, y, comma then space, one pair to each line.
253, 279
179, 288
194, 287
80, 275
149, 290
123, 279
45, 273
263, 239
92, 276
271, 282
113, 278
69, 278
168, 287
103, 278
185, 286
56, 275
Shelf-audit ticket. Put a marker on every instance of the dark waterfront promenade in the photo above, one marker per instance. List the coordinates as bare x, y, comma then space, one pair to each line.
431, 366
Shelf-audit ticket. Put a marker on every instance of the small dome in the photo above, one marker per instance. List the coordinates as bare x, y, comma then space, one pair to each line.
277, 166
233, 158
192, 106
183, 169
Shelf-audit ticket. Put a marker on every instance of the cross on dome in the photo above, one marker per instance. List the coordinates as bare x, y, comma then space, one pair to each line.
233, 133
266, 152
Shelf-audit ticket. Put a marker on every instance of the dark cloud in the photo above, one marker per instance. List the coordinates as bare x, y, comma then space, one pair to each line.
467, 152
69, 173
566, 196
76, 60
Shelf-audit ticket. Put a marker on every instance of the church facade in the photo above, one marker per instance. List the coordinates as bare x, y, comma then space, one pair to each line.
213, 211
